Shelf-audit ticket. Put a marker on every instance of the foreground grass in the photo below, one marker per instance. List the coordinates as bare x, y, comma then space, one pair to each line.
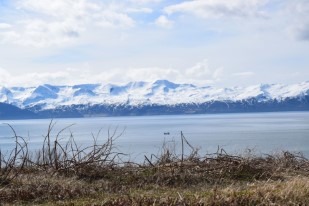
67, 174
220, 180
294, 191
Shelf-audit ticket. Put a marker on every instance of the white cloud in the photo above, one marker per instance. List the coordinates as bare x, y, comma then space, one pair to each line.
40, 33
8, 36
139, 10
140, 74
4, 77
218, 8
144, 1
163, 21
5, 26
244, 74
122, 34
55, 22
200, 70
302, 31
200, 73
32, 79
217, 74
297, 12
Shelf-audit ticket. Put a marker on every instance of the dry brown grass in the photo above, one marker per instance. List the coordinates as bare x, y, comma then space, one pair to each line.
290, 192
70, 175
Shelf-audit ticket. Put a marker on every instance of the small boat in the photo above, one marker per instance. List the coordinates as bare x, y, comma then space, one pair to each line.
166, 133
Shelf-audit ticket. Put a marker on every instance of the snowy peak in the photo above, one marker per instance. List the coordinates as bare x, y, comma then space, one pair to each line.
84, 89
42, 92
5, 95
160, 92
135, 85
165, 84
86, 86
81, 92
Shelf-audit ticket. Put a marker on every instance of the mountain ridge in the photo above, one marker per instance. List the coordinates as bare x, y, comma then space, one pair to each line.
150, 98
8, 111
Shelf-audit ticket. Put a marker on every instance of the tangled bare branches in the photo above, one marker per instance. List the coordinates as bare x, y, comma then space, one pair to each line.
58, 155
11, 163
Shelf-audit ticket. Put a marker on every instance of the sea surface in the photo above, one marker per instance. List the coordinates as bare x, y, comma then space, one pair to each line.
260, 133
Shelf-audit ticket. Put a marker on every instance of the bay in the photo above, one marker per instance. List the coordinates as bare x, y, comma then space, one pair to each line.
262, 133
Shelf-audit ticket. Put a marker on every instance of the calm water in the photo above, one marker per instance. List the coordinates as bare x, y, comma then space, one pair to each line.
260, 132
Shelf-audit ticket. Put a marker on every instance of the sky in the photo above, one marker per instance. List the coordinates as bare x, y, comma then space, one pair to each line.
204, 42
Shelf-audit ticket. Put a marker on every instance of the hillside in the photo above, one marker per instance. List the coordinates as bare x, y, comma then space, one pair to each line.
154, 98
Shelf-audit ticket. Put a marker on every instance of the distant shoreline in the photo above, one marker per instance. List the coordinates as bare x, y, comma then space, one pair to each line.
86, 111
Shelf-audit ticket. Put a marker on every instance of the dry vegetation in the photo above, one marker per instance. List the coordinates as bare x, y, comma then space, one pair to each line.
66, 174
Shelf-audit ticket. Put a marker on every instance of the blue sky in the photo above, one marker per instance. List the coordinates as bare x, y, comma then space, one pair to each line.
205, 42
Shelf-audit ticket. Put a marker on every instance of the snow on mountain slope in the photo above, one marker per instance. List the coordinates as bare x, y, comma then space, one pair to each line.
5, 95
44, 92
160, 92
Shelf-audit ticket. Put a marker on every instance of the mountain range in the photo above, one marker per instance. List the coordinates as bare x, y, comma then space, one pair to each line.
148, 98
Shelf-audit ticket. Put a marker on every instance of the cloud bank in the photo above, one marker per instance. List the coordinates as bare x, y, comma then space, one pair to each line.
201, 74
132, 40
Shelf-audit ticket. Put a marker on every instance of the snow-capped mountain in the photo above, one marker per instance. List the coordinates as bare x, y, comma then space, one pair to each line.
91, 99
